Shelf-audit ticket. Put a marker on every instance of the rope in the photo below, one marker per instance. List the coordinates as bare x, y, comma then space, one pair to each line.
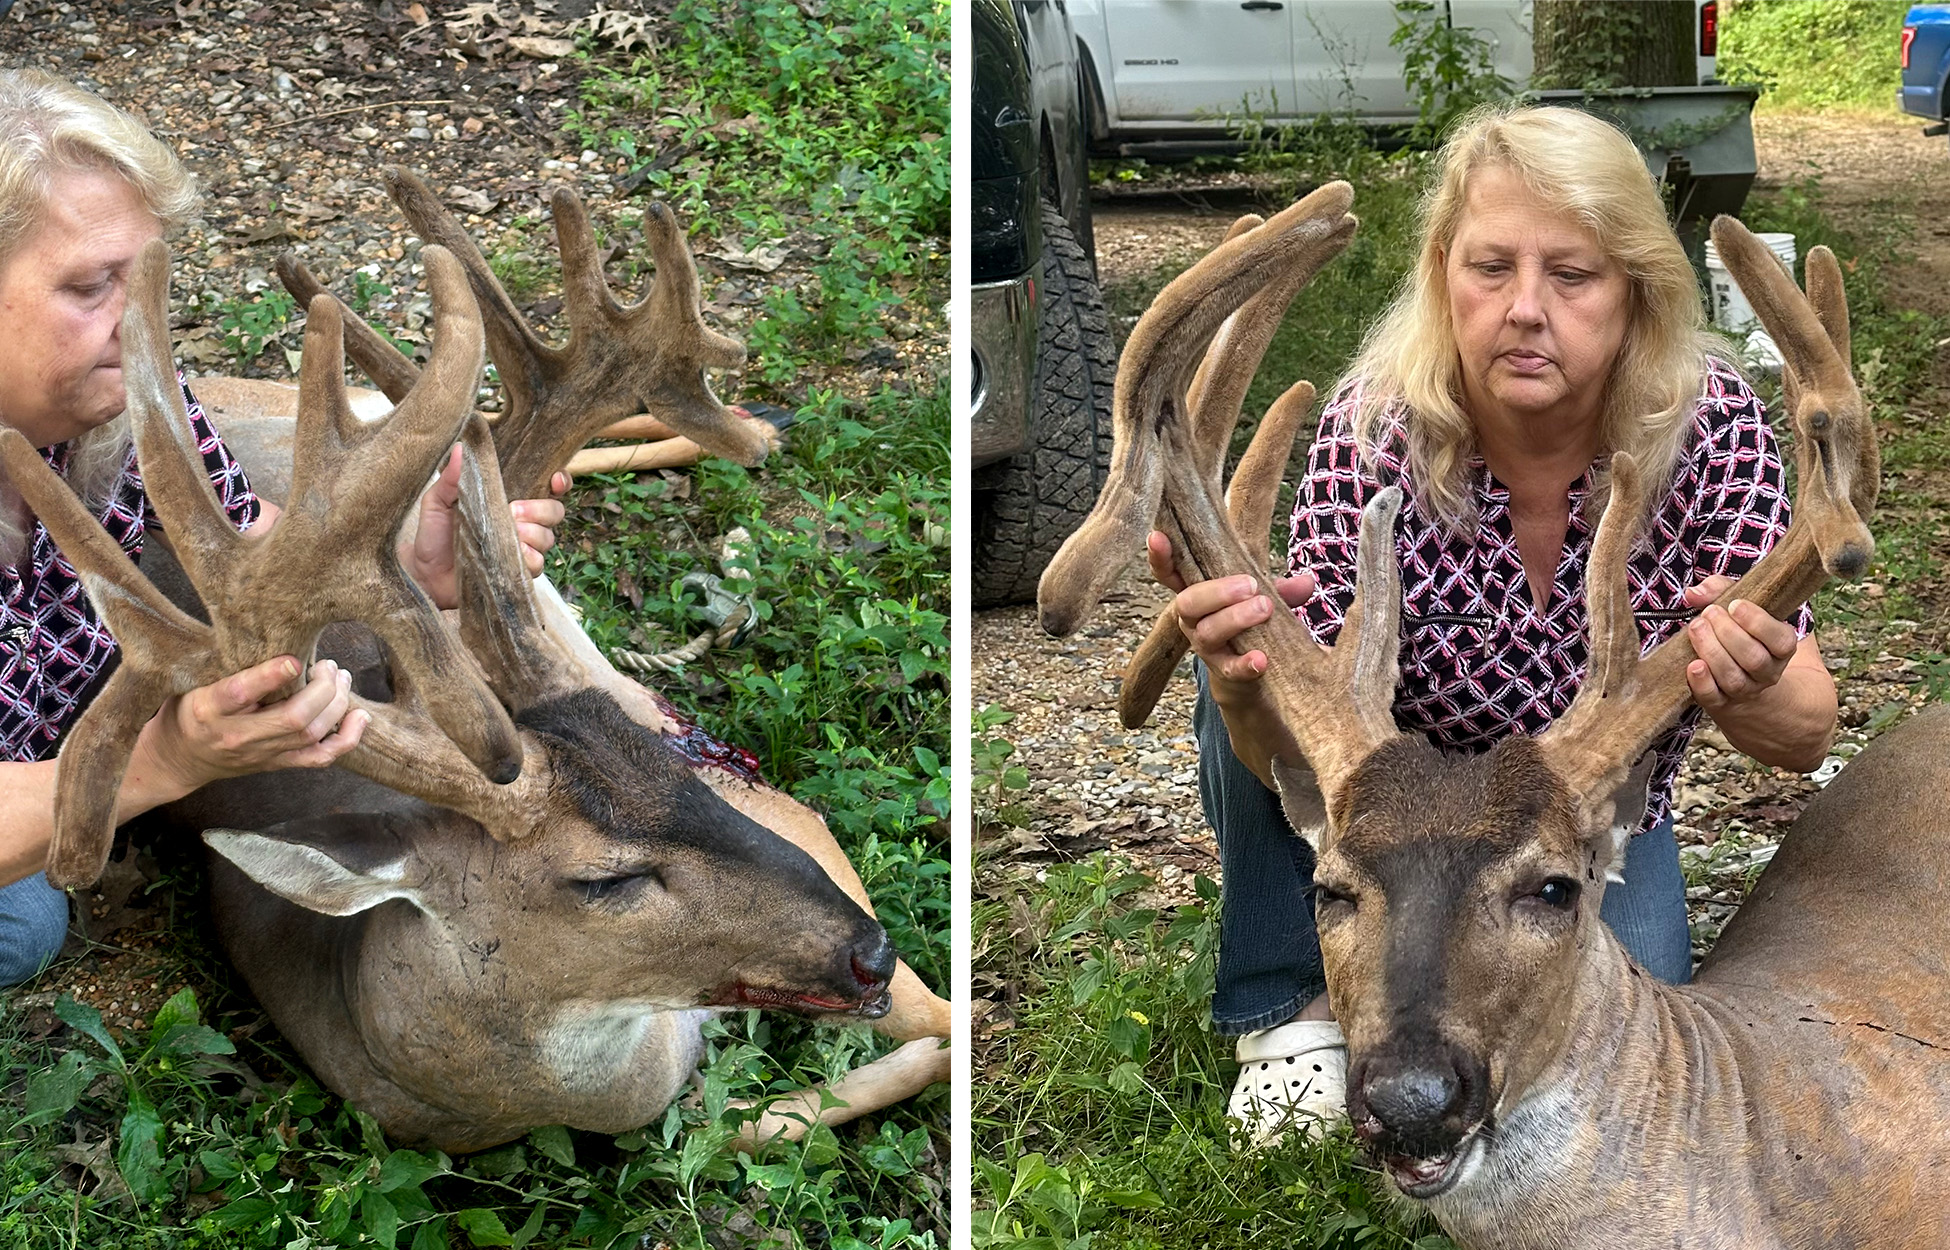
695, 649
736, 542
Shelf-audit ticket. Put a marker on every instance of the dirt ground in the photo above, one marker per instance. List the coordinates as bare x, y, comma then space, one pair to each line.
1096, 786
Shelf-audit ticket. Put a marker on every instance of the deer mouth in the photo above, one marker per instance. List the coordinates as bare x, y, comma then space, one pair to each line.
742, 994
1431, 1176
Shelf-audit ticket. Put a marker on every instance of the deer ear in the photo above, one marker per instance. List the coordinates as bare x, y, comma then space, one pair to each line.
1301, 800
343, 881
1627, 810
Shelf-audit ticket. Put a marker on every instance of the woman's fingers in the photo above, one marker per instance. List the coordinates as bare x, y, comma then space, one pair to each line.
1157, 552
242, 692
1743, 653
331, 747
1215, 630
321, 724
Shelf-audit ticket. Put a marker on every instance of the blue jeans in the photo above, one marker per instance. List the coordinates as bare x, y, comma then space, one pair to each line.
1269, 955
33, 924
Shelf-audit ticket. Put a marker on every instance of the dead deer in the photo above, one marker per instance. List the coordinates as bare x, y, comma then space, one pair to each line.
1510, 1068
519, 903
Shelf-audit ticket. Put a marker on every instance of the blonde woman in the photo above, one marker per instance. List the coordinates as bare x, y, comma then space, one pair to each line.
83, 188
1551, 318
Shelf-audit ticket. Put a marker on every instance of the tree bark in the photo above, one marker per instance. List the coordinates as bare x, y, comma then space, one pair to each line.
1614, 43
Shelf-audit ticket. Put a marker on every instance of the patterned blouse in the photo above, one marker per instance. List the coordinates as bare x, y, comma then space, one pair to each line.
52, 645
1479, 662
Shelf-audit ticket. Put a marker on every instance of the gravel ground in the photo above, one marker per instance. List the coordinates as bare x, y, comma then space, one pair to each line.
1095, 786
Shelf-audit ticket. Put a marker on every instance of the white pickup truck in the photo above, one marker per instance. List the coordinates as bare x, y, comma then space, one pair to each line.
1164, 74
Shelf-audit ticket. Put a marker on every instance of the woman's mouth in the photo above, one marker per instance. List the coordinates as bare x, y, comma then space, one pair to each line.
1526, 362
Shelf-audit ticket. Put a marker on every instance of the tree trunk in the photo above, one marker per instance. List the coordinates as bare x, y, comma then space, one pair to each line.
1614, 43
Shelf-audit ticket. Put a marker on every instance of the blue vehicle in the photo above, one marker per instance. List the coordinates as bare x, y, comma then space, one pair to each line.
1926, 65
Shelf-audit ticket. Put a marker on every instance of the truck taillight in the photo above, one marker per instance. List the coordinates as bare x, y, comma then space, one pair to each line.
1709, 28
1909, 37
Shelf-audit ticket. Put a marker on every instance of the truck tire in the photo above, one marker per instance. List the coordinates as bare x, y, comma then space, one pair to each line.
1027, 505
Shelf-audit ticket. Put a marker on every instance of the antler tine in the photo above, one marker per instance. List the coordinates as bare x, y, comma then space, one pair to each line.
1249, 508
652, 354
391, 372
1220, 359
165, 652
172, 468
1152, 380
1838, 471
499, 620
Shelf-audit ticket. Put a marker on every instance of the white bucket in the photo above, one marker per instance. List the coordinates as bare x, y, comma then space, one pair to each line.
1731, 311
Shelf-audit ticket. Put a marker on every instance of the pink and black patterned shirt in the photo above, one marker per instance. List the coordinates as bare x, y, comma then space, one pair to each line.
52, 645
1479, 662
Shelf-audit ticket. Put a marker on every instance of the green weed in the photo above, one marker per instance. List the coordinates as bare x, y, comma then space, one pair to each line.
1815, 54
249, 326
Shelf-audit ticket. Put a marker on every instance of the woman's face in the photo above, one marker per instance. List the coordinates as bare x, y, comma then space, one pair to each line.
1539, 310
61, 298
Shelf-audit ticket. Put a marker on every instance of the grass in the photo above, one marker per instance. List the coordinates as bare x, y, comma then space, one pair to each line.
1815, 54
204, 1130
1099, 1100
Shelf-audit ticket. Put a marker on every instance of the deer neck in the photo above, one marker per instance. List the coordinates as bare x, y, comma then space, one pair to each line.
1594, 1154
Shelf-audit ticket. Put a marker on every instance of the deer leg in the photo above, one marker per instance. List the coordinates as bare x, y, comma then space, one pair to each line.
866, 1089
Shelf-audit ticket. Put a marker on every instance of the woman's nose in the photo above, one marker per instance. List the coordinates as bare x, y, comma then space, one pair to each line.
1527, 296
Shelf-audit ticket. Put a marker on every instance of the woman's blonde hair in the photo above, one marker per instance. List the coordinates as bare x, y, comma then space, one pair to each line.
1407, 374
49, 127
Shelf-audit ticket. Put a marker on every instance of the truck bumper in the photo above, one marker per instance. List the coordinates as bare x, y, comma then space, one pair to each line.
1003, 321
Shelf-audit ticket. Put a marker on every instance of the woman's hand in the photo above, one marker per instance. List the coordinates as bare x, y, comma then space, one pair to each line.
1742, 650
1213, 613
237, 725
1768, 691
429, 558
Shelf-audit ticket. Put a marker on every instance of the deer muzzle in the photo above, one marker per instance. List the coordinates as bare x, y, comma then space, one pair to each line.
1420, 1112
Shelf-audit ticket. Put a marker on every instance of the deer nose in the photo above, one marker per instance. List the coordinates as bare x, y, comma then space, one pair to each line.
873, 960
1411, 1102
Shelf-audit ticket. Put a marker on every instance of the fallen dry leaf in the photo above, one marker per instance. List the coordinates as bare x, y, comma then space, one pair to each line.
542, 49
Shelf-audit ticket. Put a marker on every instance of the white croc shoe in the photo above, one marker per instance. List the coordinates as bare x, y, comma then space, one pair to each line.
1291, 1075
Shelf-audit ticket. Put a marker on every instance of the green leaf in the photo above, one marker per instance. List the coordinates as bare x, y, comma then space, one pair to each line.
52, 1092
553, 1141
432, 1235
483, 1227
180, 1009
85, 1019
243, 1213
191, 1039
381, 1219
533, 1225
139, 1153
220, 1167
406, 1168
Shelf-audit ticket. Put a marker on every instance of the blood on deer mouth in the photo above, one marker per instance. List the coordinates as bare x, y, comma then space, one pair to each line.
739, 994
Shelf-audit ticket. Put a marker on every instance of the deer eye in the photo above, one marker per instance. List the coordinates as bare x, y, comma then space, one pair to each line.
1558, 892
607, 889
1330, 896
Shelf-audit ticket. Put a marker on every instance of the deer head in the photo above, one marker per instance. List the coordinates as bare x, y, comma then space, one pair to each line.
1458, 896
